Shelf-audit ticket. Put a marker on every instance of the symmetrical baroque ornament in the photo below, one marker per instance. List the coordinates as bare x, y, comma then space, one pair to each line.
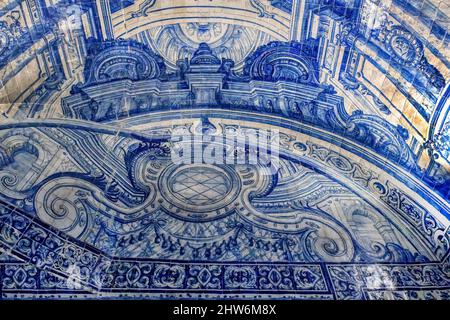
222, 217
407, 50
135, 178
179, 41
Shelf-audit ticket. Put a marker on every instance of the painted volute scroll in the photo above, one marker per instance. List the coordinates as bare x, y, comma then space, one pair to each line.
224, 149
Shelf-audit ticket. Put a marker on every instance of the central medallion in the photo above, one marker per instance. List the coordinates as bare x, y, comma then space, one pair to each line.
200, 186
201, 192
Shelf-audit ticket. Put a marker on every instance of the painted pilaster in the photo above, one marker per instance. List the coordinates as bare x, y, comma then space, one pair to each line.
298, 16
104, 11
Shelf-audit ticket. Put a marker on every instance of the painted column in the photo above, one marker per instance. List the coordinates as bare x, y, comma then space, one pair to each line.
298, 16
104, 11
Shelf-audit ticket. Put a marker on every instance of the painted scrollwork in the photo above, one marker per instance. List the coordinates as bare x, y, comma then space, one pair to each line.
403, 46
279, 61
121, 60
143, 9
154, 207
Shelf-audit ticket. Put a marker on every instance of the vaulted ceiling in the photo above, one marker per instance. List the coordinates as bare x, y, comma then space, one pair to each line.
94, 92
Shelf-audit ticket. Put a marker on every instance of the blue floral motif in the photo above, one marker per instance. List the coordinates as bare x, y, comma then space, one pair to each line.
95, 94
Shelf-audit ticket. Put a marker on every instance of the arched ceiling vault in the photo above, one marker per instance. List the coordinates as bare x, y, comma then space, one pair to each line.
106, 105
144, 15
